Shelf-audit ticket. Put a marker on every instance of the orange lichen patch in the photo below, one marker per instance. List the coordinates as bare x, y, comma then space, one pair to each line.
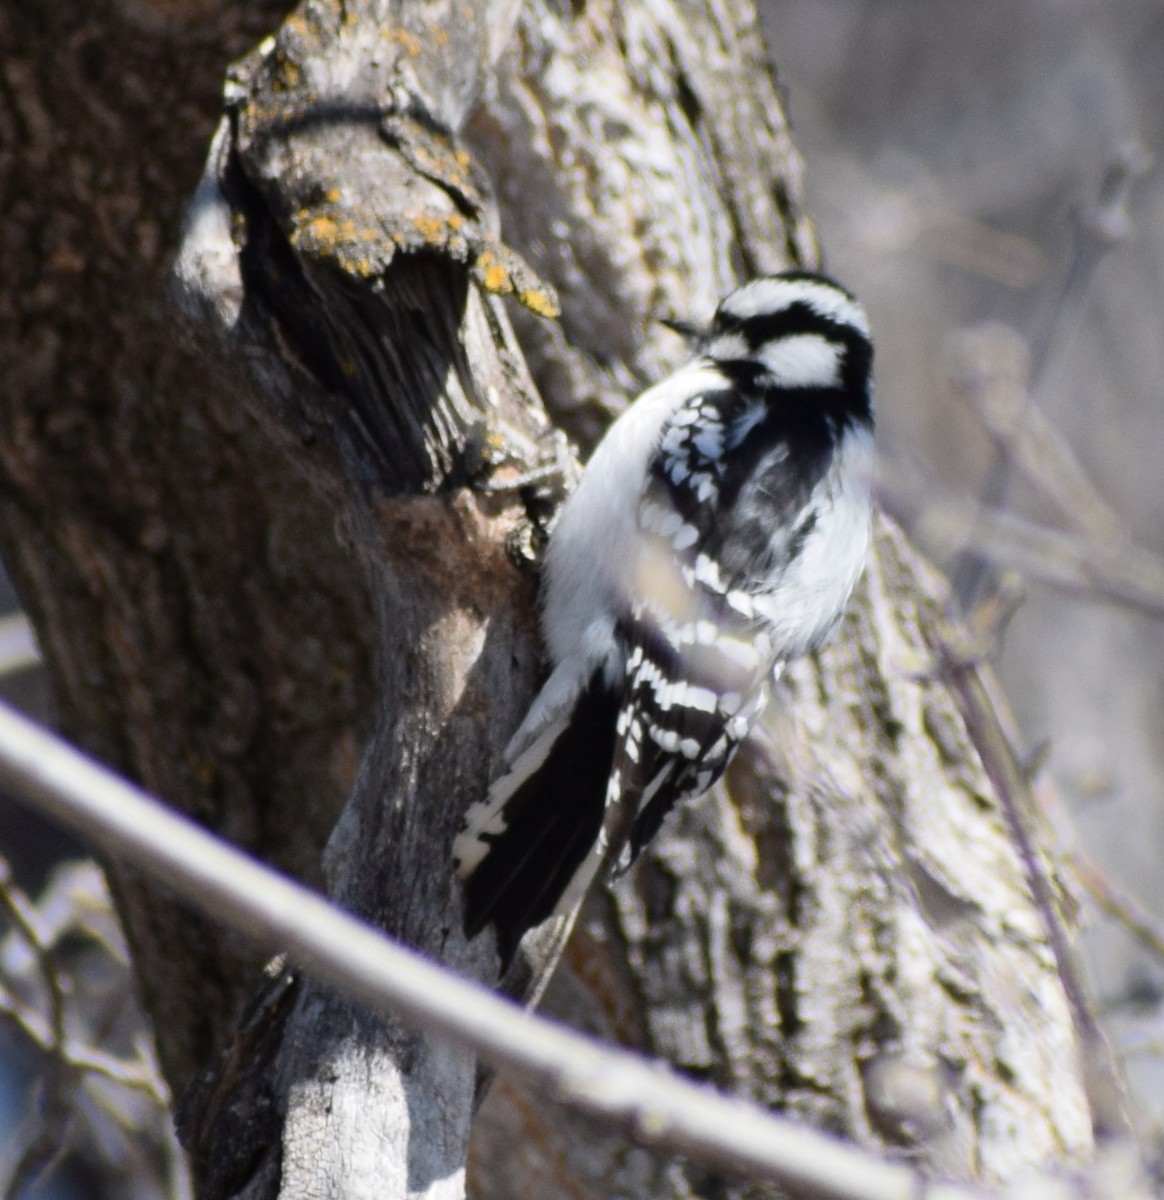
357, 264
287, 74
432, 229
333, 196
495, 443
409, 41
539, 302
341, 241
494, 274
463, 159
323, 228
497, 278
441, 37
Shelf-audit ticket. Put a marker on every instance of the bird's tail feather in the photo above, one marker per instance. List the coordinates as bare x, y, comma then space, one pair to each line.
522, 847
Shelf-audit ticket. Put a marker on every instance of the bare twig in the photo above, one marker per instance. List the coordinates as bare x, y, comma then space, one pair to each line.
1141, 1047
17, 909
137, 1076
647, 1102
1117, 903
45, 1131
1104, 1089
1098, 227
988, 367
51, 1122
40, 1142
1118, 573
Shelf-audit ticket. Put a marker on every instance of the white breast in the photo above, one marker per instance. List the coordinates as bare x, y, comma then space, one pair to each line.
807, 598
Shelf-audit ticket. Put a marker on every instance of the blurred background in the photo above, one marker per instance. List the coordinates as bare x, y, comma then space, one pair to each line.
983, 178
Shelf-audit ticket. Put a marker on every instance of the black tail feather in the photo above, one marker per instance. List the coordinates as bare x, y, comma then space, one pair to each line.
552, 821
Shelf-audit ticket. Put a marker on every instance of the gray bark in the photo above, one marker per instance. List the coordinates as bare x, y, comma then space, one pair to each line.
203, 629
844, 933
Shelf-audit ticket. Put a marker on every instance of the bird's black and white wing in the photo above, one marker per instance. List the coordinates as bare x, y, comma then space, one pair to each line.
716, 533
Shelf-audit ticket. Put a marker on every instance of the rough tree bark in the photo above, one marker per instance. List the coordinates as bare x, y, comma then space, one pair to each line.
844, 933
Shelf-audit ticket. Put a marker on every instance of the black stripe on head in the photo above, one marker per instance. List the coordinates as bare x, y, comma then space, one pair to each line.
786, 322
827, 305
796, 304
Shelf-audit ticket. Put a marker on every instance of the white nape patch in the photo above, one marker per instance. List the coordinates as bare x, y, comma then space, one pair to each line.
764, 296
803, 360
727, 347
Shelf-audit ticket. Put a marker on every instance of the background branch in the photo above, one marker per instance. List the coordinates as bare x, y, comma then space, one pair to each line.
642, 1101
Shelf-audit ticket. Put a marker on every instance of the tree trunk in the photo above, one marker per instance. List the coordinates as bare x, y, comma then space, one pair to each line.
845, 932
